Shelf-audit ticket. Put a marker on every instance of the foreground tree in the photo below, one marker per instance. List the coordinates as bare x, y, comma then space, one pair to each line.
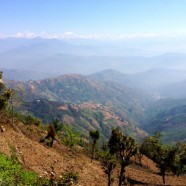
166, 157
5, 94
177, 158
108, 162
153, 149
57, 125
124, 147
94, 135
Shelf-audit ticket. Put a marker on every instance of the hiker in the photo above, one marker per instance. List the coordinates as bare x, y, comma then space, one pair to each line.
51, 134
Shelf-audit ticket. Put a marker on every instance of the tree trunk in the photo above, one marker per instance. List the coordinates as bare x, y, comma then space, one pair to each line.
109, 179
93, 149
163, 176
122, 174
163, 170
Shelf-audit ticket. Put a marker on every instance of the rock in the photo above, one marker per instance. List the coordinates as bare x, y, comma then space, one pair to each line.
2, 128
52, 173
46, 173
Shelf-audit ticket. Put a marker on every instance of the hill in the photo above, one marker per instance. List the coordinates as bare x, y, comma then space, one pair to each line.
23, 75
123, 95
82, 117
151, 81
174, 90
127, 103
167, 116
40, 158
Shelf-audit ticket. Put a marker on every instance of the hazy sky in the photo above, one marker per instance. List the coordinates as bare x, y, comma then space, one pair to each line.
100, 19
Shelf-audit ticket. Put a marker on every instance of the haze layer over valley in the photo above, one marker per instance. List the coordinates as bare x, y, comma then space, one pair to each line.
131, 63
51, 57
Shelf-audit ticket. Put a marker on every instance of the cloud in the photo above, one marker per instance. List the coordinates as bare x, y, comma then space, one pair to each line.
69, 35
177, 32
124, 36
72, 35
2, 36
26, 34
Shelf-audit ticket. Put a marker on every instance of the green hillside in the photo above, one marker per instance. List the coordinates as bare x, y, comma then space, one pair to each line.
169, 117
129, 105
76, 89
82, 117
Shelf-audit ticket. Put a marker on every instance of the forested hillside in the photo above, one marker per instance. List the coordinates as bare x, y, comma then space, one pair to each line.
113, 91
82, 117
168, 117
126, 102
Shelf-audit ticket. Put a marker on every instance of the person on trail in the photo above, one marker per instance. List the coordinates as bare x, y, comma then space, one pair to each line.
51, 134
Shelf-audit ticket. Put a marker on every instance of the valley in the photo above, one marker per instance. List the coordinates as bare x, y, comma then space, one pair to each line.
137, 102
149, 101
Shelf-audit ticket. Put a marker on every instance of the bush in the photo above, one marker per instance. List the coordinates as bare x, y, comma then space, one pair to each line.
69, 138
11, 173
69, 178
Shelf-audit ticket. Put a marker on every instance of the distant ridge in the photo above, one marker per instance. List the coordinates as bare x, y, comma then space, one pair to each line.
151, 81
54, 56
23, 75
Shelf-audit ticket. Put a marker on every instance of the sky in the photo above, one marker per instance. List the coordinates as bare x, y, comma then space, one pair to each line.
93, 19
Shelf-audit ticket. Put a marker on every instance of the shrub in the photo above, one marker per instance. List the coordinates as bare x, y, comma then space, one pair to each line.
69, 178
69, 138
11, 173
